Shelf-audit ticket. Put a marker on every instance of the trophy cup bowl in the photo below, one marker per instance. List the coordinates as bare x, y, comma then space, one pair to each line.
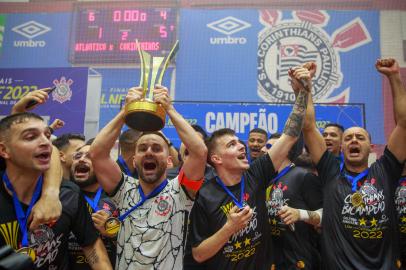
146, 115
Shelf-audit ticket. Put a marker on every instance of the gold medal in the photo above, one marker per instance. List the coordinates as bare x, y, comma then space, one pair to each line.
112, 226
356, 199
300, 264
30, 252
398, 264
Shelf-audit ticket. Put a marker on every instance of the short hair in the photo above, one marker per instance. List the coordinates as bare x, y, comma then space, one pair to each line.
17, 118
275, 135
10, 120
199, 129
64, 140
259, 130
211, 142
158, 133
340, 127
128, 138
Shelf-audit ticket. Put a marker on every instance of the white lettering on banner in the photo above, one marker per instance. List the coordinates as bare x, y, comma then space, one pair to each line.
241, 122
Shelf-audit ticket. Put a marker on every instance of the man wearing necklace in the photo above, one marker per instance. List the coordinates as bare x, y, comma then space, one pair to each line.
229, 223
359, 228
152, 207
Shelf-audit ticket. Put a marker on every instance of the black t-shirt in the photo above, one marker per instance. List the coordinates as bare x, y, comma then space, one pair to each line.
400, 202
49, 243
77, 258
360, 228
302, 190
249, 248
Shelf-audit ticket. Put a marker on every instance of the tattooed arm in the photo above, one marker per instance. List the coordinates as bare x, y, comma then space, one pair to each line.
279, 151
96, 256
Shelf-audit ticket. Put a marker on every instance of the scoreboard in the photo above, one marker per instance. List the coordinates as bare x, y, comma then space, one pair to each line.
107, 35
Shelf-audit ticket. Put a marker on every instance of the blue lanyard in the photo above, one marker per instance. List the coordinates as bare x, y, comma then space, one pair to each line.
402, 179
240, 204
94, 203
341, 159
125, 166
144, 198
21, 216
283, 172
354, 179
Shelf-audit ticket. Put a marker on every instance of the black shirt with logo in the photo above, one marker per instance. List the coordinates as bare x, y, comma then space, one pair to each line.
359, 228
400, 202
250, 247
50, 243
77, 258
295, 246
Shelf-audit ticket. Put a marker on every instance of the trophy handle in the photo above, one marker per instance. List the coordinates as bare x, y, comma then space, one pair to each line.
145, 60
156, 63
169, 57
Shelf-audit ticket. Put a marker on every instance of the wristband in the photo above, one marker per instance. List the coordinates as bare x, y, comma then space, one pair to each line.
303, 215
190, 184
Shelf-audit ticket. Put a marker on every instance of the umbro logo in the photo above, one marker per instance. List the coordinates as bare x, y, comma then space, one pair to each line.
228, 26
31, 29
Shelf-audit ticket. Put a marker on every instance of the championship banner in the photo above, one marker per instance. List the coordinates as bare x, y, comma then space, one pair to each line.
67, 102
243, 117
244, 55
36, 40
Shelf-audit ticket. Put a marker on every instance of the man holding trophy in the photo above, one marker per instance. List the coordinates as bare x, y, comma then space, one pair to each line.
152, 208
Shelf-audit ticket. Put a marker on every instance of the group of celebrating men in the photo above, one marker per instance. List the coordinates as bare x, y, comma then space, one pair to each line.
68, 205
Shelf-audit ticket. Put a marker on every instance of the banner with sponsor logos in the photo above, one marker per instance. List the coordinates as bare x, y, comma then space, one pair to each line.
67, 102
115, 85
235, 55
242, 117
36, 40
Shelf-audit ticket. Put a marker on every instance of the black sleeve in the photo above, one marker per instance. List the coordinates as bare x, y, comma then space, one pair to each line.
82, 225
263, 170
392, 166
199, 230
312, 192
328, 168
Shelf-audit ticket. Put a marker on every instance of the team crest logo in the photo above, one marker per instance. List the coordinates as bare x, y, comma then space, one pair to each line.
289, 43
41, 235
164, 207
276, 200
62, 92
400, 199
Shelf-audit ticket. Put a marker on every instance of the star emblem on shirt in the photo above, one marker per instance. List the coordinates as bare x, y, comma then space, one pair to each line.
362, 221
374, 222
273, 221
237, 245
247, 242
404, 219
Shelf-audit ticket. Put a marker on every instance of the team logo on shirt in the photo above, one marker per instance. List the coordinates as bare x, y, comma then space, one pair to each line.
275, 199
400, 202
363, 211
46, 245
163, 205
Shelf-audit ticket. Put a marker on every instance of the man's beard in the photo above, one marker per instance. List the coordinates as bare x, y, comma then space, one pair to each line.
82, 184
154, 178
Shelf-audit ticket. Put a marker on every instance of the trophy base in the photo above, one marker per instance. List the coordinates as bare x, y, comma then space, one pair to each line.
145, 116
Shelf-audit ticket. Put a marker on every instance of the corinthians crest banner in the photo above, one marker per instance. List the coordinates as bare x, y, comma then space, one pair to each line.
244, 55
67, 102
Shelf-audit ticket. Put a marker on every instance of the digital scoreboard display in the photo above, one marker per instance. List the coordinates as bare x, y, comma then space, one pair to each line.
107, 35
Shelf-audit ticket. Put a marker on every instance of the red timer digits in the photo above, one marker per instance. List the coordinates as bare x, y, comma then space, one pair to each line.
108, 35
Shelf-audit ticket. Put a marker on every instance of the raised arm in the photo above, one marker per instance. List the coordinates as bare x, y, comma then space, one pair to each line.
107, 171
195, 164
390, 68
312, 136
279, 151
96, 255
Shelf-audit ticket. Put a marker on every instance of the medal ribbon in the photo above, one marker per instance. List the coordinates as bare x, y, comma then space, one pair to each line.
402, 179
341, 159
283, 172
240, 204
21, 216
354, 179
94, 203
153, 193
125, 166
